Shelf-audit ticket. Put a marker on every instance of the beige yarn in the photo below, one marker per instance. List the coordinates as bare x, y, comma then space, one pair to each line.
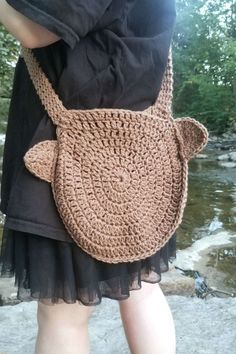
119, 177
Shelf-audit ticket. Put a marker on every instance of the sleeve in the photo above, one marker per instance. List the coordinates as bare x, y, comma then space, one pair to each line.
69, 19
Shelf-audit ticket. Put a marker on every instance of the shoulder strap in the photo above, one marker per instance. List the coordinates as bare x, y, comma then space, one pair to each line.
43, 87
54, 105
166, 93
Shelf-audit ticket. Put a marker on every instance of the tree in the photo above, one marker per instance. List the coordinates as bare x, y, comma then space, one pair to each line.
204, 49
9, 53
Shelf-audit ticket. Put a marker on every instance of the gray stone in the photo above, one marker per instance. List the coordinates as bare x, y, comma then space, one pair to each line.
223, 157
226, 135
2, 139
7, 286
234, 127
213, 138
232, 156
175, 283
201, 156
202, 326
227, 164
8, 291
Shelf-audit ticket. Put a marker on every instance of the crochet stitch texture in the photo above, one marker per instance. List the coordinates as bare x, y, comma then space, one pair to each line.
119, 177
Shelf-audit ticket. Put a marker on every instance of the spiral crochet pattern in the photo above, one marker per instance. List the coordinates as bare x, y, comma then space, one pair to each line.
119, 177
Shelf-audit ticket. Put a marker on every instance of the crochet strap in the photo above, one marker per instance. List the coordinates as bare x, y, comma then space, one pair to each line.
43, 87
166, 92
54, 105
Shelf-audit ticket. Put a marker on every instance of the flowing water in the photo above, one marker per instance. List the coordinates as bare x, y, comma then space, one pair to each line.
211, 209
211, 201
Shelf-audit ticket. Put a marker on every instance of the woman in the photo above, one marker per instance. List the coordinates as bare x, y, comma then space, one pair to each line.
110, 53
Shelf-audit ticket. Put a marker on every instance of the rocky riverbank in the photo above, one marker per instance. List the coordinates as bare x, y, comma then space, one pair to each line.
198, 322
223, 146
202, 326
226, 141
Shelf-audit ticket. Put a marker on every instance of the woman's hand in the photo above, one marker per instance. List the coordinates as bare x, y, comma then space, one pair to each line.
29, 33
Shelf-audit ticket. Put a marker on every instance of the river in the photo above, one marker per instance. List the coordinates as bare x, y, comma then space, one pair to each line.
210, 214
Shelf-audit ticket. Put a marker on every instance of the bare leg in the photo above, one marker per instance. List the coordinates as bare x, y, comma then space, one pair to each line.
62, 328
148, 321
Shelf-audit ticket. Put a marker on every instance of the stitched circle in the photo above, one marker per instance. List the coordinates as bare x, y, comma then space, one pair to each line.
119, 185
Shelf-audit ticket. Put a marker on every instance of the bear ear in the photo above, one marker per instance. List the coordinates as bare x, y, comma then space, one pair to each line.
40, 160
194, 135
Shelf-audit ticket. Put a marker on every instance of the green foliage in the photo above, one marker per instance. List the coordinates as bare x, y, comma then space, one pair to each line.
9, 50
204, 61
9, 53
4, 107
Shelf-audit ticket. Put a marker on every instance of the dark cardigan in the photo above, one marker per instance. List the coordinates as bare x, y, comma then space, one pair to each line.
112, 53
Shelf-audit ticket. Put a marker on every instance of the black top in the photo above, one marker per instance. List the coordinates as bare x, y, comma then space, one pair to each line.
113, 53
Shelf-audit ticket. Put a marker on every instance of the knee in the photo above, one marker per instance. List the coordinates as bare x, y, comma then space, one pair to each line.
63, 314
140, 297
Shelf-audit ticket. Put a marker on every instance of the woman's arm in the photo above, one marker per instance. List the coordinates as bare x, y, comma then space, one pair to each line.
29, 33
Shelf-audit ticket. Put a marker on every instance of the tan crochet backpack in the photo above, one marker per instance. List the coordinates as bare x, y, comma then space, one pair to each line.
119, 177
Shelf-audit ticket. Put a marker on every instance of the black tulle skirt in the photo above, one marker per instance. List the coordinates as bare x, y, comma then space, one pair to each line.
54, 271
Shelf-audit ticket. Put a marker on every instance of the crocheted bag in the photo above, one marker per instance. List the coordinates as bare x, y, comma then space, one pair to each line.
119, 177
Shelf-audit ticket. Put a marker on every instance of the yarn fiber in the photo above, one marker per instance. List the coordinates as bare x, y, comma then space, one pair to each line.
119, 177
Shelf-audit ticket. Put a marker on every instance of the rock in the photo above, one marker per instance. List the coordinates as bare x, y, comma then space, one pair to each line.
202, 326
218, 146
234, 127
2, 139
213, 138
227, 164
201, 156
223, 157
232, 156
175, 283
8, 292
215, 224
190, 257
226, 135
225, 147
